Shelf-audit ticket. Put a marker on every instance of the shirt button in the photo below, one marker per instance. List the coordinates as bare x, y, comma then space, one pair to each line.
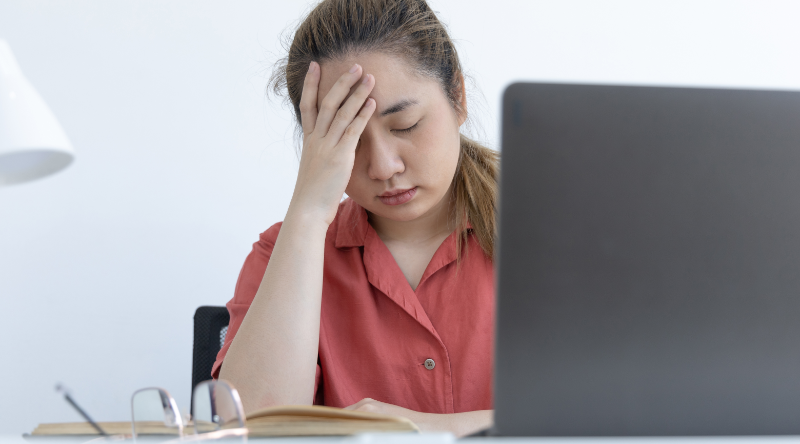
429, 364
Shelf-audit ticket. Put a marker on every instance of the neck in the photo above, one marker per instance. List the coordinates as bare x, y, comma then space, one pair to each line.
430, 225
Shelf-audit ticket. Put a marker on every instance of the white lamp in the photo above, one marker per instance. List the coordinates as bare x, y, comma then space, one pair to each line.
32, 143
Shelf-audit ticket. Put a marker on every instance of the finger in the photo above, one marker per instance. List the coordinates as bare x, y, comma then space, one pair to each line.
369, 407
356, 405
330, 104
356, 127
308, 99
351, 107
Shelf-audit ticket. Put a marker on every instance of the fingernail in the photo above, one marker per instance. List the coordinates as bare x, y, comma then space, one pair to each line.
365, 79
354, 68
311, 67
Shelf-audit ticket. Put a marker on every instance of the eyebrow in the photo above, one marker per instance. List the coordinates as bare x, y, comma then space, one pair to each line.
399, 106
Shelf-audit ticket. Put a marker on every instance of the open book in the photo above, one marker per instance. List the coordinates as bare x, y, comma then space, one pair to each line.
318, 420
299, 420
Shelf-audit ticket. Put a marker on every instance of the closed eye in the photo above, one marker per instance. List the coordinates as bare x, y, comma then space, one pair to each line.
407, 130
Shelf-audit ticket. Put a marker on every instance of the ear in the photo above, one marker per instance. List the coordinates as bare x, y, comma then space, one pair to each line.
462, 115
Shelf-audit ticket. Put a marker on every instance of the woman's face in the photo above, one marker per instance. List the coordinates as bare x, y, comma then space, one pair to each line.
408, 152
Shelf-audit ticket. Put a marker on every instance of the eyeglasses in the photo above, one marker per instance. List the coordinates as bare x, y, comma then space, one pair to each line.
216, 413
155, 412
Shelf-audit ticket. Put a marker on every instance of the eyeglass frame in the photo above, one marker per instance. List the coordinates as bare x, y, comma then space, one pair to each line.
240, 431
173, 405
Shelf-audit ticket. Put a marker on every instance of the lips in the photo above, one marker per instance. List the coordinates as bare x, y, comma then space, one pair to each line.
397, 197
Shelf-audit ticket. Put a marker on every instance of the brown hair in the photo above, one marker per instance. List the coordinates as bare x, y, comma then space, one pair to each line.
407, 28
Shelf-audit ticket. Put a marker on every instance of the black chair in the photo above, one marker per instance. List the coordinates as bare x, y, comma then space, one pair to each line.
210, 328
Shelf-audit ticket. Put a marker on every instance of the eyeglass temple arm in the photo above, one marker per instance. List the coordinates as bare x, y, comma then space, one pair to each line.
68, 398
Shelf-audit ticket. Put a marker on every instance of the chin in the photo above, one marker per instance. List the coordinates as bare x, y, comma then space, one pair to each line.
400, 213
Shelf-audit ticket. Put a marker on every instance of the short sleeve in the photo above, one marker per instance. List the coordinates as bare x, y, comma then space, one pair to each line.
246, 287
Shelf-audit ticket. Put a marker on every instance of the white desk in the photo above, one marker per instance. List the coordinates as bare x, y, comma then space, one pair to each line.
433, 439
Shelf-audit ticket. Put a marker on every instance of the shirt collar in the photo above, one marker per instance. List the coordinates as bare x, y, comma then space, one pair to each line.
352, 225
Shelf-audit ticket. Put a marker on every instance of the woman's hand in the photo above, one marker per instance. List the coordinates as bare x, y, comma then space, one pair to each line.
272, 359
330, 136
459, 424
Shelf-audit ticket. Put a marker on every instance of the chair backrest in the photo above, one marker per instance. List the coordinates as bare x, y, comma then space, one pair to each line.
210, 328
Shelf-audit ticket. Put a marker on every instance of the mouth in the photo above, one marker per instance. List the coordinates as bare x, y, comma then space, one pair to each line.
397, 197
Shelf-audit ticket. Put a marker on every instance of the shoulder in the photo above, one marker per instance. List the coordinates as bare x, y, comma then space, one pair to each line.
268, 238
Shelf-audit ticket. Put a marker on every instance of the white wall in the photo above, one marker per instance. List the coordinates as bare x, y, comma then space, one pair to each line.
181, 161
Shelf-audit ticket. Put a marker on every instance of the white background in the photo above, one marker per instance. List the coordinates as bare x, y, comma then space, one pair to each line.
182, 161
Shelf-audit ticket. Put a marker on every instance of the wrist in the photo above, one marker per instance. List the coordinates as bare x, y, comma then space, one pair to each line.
309, 221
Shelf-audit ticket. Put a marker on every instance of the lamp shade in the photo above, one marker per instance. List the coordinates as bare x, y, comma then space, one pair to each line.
32, 143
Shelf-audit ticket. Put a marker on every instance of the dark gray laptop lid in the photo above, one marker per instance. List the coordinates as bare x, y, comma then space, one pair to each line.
649, 262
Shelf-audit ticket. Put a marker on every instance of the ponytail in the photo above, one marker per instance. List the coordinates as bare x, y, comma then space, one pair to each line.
475, 193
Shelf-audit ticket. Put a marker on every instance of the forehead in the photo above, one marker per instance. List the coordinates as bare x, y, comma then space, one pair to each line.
394, 78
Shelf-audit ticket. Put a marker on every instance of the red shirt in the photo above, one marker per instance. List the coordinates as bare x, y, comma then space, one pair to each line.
376, 333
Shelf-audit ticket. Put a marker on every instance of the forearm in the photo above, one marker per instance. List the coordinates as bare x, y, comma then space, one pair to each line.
272, 359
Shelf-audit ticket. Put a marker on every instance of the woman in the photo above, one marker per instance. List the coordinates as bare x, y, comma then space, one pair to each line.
384, 301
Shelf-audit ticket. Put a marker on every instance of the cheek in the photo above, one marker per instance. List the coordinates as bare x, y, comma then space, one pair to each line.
438, 155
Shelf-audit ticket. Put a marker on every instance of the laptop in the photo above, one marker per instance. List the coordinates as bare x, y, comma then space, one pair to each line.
648, 279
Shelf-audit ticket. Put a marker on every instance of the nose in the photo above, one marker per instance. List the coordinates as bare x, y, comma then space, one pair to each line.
382, 157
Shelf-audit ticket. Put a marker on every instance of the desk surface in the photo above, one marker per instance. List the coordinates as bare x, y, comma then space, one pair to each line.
438, 439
